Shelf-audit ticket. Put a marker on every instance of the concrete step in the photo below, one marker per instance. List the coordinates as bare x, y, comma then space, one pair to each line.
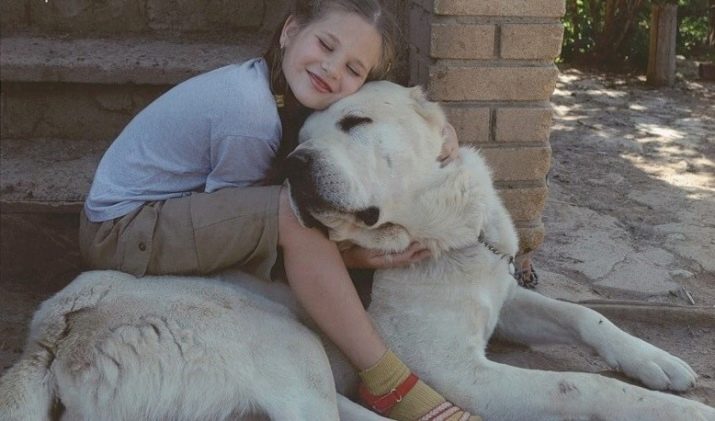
47, 175
119, 60
71, 110
89, 88
184, 17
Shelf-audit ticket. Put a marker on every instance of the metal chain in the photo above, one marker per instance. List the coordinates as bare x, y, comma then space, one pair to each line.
526, 278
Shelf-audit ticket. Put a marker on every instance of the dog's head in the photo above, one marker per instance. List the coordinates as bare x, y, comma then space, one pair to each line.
360, 162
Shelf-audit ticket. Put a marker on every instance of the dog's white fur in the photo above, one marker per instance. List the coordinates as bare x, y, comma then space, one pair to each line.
110, 346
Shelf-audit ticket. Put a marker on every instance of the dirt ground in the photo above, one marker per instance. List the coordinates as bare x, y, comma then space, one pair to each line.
630, 216
631, 211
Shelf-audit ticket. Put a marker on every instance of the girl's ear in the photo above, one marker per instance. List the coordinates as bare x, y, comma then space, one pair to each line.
290, 28
430, 111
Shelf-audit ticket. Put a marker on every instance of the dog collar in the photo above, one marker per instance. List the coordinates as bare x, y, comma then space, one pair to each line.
490, 247
382, 404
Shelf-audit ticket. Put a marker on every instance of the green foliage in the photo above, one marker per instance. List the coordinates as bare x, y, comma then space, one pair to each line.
691, 33
587, 37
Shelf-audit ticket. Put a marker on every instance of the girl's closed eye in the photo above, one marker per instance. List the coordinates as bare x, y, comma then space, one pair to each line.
325, 45
354, 72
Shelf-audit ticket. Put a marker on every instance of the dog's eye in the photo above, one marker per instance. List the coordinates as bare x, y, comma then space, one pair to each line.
350, 121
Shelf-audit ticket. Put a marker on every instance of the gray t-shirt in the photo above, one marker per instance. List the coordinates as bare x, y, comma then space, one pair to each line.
219, 129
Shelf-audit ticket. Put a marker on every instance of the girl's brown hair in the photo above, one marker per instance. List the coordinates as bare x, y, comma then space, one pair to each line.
293, 114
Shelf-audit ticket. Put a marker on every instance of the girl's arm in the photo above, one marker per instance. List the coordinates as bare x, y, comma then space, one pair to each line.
357, 257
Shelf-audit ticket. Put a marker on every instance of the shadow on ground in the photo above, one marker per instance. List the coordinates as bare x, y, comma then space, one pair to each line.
631, 212
631, 208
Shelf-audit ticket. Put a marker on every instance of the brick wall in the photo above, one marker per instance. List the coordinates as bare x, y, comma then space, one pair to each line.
490, 63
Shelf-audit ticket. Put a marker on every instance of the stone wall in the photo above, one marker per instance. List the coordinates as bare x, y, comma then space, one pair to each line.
491, 64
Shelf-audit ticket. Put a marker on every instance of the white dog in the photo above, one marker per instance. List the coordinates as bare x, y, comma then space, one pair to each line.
110, 346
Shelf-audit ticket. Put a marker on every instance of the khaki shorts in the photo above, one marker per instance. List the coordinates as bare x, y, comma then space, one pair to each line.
192, 235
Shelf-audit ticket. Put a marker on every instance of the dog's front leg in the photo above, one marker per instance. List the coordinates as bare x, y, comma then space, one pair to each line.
531, 318
502, 392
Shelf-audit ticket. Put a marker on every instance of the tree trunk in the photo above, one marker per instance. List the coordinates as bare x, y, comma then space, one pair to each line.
573, 13
711, 24
616, 25
661, 54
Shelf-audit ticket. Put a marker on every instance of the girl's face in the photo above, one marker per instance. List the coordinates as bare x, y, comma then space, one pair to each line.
330, 58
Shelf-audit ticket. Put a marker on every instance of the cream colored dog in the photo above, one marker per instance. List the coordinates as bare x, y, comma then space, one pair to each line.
110, 346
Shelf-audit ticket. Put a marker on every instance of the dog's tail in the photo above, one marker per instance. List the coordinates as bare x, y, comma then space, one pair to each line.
27, 390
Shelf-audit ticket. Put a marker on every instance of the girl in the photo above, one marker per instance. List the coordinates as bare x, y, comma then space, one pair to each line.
182, 189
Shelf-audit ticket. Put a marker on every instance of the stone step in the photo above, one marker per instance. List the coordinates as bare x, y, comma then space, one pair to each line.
89, 88
109, 17
47, 175
71, 110
119, 60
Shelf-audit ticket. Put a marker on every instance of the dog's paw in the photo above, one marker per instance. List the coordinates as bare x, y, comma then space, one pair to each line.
655, 368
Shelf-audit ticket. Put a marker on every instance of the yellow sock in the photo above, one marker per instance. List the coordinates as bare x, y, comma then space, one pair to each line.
420, 403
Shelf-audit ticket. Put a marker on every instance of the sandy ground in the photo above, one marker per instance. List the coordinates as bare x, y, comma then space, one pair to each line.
631, 216
631, 210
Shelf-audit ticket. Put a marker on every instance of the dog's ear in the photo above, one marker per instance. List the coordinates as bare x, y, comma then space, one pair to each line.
430, 111
433, 113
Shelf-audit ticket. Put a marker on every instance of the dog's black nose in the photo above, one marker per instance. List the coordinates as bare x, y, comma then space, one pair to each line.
299, 163
369, 216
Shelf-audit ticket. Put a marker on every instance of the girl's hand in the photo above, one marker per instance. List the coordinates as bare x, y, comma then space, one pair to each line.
357, 257
450, 147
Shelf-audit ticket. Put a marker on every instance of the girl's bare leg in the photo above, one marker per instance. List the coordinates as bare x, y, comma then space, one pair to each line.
318, 277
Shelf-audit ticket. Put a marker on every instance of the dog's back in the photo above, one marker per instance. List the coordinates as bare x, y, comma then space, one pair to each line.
110, 346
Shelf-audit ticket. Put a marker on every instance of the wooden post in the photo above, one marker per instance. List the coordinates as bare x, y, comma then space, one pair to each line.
661, 53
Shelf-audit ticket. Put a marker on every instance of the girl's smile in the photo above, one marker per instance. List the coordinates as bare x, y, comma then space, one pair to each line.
320, 84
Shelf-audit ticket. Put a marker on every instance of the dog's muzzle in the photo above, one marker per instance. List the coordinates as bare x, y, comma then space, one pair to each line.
307, 191
301, 172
